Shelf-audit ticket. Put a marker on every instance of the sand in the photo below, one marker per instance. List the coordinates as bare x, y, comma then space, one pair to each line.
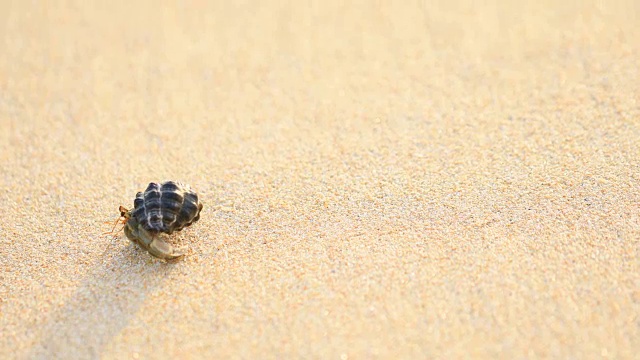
451, 180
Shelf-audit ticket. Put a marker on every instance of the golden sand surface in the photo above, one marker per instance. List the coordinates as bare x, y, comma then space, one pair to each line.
380, 179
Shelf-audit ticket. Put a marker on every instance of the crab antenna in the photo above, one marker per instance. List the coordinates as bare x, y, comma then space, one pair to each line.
121, 219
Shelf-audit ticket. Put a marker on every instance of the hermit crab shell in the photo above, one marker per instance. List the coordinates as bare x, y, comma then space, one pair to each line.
166, 207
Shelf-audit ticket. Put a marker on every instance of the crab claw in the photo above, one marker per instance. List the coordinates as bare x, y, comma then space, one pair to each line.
152, 242
163, 250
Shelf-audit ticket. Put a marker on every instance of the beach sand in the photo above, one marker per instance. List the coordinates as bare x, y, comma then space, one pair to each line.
447, 180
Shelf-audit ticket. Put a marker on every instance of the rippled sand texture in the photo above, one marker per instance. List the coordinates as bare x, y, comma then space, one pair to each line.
457, 179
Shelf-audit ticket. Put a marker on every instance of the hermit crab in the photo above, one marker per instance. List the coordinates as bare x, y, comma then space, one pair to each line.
161, 209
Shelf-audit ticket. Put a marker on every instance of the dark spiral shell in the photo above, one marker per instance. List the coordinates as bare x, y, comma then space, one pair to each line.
166, 207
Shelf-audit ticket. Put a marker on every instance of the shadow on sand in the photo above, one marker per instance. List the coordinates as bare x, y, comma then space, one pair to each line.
106, 302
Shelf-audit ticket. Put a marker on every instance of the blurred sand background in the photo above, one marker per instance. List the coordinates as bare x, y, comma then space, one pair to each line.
440, 180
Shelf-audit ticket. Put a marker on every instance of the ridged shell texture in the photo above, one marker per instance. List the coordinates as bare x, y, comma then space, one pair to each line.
166, 207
